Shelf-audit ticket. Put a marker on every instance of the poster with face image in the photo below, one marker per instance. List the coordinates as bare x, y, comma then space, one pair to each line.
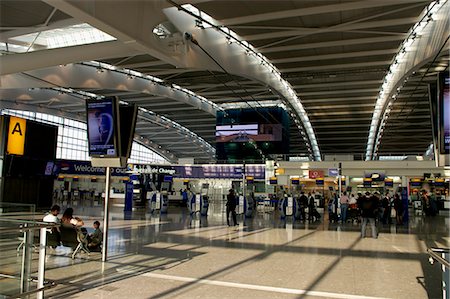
100, 123
445, 116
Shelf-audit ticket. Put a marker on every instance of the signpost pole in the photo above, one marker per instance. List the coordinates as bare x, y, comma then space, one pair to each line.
106, 215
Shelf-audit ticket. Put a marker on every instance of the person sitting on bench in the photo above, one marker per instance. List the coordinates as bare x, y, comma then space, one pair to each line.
52, 217
95, 239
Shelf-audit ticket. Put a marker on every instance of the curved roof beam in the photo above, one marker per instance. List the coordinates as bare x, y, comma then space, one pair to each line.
237, 57
88, 75
21, 62
317, 10
93, 74
131, 22
425, 40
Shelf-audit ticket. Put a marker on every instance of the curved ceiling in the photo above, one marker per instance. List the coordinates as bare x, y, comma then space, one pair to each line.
334, 54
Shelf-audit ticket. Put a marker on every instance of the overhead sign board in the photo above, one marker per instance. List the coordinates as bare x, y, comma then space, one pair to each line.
16, 136
315, 174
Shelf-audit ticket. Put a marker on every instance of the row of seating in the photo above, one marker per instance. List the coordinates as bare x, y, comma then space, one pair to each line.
68, 236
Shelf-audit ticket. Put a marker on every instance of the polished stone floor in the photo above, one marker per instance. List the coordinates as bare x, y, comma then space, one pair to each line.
179, 256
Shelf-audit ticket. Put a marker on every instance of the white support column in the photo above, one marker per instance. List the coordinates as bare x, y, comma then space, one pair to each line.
41, 263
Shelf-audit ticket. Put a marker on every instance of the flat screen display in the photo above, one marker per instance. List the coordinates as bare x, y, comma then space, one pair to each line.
250, 134
236, 133
101, 124
445, 115
128, 115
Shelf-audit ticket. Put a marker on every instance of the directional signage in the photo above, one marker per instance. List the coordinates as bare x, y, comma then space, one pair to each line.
16, 136
315, 174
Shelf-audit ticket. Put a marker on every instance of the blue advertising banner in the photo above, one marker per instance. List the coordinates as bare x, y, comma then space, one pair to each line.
200, 172
333, 172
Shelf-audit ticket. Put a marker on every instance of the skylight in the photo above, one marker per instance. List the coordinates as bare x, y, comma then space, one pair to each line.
80, 34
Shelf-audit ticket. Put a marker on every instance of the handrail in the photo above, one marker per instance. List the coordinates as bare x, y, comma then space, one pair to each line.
26, 227
434, 255
31, 225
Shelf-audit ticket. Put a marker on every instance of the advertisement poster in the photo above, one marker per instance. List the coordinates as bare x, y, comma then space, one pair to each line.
100, 121
446, 115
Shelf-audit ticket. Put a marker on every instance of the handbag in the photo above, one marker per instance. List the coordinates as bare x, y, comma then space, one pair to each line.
393, 213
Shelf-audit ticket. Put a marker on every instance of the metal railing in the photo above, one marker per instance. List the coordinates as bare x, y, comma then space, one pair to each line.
436, 254
17, 245
442, 255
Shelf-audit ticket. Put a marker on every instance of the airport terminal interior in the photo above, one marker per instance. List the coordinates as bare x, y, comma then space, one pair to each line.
224, 149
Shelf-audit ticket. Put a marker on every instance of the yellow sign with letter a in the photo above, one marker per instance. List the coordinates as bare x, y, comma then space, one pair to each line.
16, 135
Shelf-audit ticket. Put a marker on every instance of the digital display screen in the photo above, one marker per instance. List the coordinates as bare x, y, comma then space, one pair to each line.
445, 116
101, 118
168, 178
236, 133
249, 134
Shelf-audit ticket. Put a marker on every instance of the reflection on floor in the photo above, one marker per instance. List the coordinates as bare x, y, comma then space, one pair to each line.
179, 256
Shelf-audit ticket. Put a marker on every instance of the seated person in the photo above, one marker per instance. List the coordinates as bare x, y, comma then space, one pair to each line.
52, 217
95, 239
68, 218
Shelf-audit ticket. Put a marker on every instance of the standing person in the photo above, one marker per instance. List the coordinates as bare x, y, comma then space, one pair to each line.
231, 207
398, 206
386, 204
369, 206
303, 201
311, 207
344, 200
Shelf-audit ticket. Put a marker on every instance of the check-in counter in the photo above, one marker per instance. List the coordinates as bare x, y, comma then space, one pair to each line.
175, 199
116, 199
